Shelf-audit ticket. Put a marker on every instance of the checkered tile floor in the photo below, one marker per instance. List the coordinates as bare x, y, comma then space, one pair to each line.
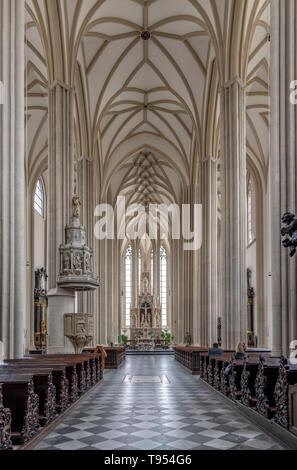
176, 413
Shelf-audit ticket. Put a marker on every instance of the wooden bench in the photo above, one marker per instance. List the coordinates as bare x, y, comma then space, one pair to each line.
35, 388
60, 382
265, 382
189, 357
115, 356
287, 380
18, 396
5, 425
43, 387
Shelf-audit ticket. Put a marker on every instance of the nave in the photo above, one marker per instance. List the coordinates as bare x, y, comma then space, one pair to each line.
151, 403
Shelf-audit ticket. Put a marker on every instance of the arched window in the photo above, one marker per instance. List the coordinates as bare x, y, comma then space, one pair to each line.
39, 198
128, 283
163, 285
139, 269
152, 272
250, 211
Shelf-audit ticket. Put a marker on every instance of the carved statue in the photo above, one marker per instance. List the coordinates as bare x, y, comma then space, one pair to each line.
66, 262
87, 263
77, 262
290, 232
76, 205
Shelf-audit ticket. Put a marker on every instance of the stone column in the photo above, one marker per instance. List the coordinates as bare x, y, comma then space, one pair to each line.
61, 179
85, 172
103, 264
61, 164
283, 157
12, 180
233, 238
209, 255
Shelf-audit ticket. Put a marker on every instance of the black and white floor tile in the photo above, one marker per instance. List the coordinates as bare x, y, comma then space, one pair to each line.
152, 403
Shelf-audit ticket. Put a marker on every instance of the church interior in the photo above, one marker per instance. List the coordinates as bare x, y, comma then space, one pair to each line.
110, 109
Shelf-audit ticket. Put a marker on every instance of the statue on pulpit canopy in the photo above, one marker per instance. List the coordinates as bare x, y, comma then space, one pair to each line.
76, 205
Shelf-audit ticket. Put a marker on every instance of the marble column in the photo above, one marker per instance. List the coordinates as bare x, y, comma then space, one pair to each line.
233, 229
209, 255
283, 157
61, 189
12, 180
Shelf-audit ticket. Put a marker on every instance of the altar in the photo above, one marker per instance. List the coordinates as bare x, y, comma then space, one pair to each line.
145, 320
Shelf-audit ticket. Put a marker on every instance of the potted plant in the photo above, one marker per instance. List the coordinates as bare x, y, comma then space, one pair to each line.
168, 338
123, 340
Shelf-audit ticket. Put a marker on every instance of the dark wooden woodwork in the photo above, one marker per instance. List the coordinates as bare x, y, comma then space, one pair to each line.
287, 376
265, 384
5, 424
18, 395
43, 387
292, 400
34, 389
115, 357
189, 357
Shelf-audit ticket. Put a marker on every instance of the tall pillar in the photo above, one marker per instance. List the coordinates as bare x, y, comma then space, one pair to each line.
12, 180
283, 157
61, 164
209, 255
61, 180
85, 300
233, 237
103, 269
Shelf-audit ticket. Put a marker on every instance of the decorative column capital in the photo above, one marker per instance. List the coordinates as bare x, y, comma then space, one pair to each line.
209, 159
235, 80
61, 84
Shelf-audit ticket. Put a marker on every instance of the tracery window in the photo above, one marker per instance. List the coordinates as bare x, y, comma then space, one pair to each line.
128, 283
152, 272
250, 211
139, 269
39, 198
163, 285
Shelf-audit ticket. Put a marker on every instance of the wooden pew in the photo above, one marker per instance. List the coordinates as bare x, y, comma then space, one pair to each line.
92, 364
88, 369
100, 357
33, 388
287, 377
82, 364
115, 357
5, 424
189, 357
248, 380
265, 384
111, 357
18, 395
43, 387
61, 383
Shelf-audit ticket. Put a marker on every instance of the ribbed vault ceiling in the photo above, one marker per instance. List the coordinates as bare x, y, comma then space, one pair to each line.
147, 75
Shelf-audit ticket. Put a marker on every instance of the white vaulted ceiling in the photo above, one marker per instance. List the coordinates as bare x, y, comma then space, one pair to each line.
147, 75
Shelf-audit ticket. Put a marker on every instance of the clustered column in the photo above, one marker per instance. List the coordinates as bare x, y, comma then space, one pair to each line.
283, 157
209, 254
61, 190
233, 238
12, 180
